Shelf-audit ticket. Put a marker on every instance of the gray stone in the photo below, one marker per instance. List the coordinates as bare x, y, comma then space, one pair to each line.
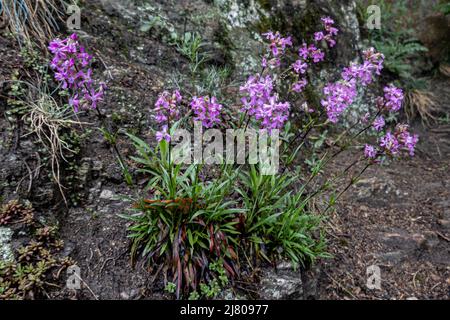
281, 284
6, 253
434, 31
97, 165
371, 187
229, 294
132, 294
107, 195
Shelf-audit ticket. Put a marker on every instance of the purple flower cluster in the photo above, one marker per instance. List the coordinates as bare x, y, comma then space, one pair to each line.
263, 104
405, 139
71, 64
340, 95
166, 110
306, 55
389, 143
206, 110
310, 53
278, 44
329, 34
379, 123
370, 152
392, 143
372, 65
393, 98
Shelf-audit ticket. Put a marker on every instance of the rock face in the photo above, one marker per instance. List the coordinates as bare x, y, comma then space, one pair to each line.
301, 18
435, 31
281, 284
233, 36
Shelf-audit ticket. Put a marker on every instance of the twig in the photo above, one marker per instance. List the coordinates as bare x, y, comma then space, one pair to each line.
443, 237
341, 286
87, 286
104, 264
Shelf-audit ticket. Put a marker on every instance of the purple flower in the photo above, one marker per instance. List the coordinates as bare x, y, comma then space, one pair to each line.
333, 31
74, 102
300, 67
401, 139
299, 85
94, 97
372, 64
390, 144
316, 54
163, 135
370, 152
303, 52
166, 110
311, 52
376, 59
327, 21
206, 110
264, 63
319, 36
331, 42
379, 123
393, 98
329, 34
410, 143
406, 139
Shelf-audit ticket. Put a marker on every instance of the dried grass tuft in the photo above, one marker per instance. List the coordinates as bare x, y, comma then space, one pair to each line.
36, 20
421, 103
445, 69
48, 118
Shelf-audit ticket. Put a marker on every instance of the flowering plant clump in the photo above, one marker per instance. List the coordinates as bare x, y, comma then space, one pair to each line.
193, 222
71, 65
